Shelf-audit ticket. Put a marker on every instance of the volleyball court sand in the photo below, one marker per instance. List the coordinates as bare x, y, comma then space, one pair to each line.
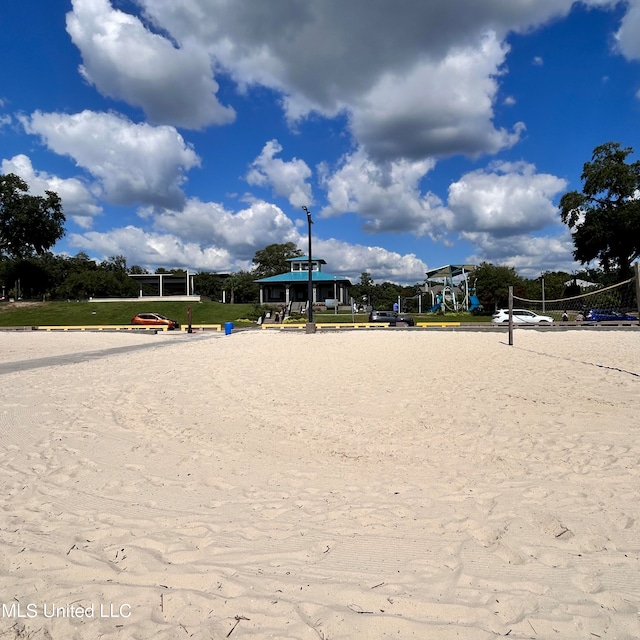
350, 485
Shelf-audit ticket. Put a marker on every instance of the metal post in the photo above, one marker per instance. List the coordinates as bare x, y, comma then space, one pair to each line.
543, 309
510, 316
638, 286
310, 285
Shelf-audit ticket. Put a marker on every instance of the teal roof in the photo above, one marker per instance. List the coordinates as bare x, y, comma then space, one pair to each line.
303, 276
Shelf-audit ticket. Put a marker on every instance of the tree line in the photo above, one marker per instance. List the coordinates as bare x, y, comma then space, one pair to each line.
58, 277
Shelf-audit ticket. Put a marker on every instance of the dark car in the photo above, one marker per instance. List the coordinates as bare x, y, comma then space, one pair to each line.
155, 320
393, 318
609, 315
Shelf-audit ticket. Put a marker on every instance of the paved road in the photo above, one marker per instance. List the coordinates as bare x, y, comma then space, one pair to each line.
86, 356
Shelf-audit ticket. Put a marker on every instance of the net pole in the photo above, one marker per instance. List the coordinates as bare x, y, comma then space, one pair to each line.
510, 316
638, 286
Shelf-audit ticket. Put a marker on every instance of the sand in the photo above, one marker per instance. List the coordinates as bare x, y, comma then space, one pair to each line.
342, 485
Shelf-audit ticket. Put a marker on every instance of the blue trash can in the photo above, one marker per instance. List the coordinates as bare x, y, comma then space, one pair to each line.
228, 328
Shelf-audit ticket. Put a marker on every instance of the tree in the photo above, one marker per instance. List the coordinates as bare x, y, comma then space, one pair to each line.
242, 287
136, 269
29, 224
209, 285
555, 286
272, 260
605, 216
493, 282
362, 292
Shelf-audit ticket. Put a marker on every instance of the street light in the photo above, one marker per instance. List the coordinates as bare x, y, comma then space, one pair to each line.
310, 286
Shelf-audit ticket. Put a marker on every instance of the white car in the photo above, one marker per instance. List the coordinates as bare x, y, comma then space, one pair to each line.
520, 316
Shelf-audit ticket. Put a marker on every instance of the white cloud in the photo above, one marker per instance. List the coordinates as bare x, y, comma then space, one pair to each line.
386, 195
150, 250
436, 107
627, 35
350, 260
125, 61
506, 200
494, 209
242, 233
288, 179
135, 163
415, 82
538, 61
529, 255
77, 200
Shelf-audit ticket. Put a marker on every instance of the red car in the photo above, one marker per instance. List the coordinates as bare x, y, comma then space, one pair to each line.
155, 320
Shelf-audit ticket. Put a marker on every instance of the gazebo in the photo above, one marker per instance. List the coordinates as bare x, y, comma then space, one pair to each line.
292, 287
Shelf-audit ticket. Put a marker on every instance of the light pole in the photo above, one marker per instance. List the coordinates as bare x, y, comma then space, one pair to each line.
310, 286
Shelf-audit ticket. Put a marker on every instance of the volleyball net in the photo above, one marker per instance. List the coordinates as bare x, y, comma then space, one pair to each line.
621, 298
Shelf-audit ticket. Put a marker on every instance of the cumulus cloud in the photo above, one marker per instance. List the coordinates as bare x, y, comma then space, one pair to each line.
77, 200
288, 179
350, 260
385, 195
507, 199
150, 249
529, 255
627, 35
484, 207
242, 232
415, 83
436, 107
364, 57
134, 163
126, 61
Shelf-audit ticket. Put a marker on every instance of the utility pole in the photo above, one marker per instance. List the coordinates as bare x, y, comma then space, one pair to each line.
310, 326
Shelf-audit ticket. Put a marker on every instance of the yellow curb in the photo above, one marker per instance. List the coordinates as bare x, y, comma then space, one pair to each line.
98, 327
215, 327
427, 325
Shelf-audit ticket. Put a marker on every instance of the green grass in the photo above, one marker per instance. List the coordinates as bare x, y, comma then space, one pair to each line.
106, 313
111, 313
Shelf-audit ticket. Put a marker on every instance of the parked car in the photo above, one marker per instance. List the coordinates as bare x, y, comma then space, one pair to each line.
520, 316
608, 315
155, 320
391, 317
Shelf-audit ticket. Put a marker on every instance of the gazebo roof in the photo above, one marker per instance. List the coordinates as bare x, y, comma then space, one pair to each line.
451, 270
303, 276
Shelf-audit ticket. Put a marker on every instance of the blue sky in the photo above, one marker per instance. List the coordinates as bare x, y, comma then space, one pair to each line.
189, 133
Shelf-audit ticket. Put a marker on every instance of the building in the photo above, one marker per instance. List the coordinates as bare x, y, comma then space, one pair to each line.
293, 287
166, 286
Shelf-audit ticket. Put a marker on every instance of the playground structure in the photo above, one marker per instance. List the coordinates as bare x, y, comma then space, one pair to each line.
451, 290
